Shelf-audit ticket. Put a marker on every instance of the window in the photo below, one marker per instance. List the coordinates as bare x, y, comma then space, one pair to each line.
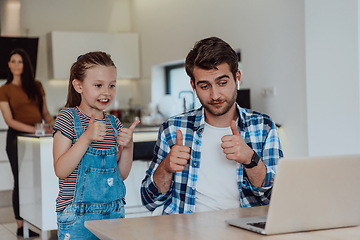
177, 84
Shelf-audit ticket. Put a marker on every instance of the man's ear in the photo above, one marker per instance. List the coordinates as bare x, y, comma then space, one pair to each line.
77, 85
238, 79
192, 83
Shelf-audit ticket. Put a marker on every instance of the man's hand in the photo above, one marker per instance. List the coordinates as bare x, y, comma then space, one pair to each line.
235, 147
178, 156
175, 161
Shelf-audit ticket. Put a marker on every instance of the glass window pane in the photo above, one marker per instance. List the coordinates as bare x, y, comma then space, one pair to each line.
180, 88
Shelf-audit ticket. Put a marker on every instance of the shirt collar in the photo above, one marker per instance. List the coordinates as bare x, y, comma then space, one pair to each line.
200, 119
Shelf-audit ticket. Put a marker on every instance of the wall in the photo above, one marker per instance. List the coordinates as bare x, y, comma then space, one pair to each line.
307, 49
270, 35
39, 17
332, 76
10, 17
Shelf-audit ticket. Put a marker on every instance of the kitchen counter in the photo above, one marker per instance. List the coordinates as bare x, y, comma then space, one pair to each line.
144, 141
142, 133
144, 128
38, 184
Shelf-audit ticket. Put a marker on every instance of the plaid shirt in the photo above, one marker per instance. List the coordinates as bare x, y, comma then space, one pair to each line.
258, 131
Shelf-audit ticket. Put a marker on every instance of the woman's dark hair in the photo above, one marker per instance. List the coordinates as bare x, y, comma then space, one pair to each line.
78, 71
28, 83
210, 52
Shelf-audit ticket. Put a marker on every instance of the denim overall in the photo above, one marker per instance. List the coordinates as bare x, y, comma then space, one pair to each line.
99, 192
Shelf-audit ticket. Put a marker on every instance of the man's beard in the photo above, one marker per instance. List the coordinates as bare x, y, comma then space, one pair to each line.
220, 111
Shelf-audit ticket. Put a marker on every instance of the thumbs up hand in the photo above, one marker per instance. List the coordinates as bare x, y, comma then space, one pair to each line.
126, 135
235, 147
178, 156
96, 130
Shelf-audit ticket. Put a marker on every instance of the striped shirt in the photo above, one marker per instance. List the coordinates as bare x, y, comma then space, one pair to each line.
65, 124
258, 131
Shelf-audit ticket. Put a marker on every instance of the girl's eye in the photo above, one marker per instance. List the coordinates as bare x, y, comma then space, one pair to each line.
112, 85
98, 85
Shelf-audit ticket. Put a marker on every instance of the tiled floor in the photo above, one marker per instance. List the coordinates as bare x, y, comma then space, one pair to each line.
7, 221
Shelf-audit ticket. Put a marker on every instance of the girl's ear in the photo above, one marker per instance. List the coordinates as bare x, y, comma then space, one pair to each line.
77, 84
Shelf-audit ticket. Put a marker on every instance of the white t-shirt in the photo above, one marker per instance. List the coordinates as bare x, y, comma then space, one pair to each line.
216, 187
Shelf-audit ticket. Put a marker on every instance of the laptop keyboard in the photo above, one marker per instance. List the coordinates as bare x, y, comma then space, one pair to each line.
258, 224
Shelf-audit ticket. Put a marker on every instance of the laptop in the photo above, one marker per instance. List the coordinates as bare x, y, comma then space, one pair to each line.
310, 193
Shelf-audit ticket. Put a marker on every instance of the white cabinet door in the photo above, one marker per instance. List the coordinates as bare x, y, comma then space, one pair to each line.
134, 207
65, 47
6, 177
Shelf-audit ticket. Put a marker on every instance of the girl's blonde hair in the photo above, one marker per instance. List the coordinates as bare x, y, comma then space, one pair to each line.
78, 71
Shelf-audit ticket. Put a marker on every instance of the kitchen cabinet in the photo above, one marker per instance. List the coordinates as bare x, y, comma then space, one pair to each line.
134, 207
66, 47
6, 177
144, 142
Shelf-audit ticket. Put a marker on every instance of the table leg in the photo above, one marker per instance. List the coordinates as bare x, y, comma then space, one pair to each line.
26, 229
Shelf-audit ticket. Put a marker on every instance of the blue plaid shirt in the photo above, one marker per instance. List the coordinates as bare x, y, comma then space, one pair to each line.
258, 131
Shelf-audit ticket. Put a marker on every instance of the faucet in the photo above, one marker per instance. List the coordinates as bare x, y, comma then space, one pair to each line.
192, 105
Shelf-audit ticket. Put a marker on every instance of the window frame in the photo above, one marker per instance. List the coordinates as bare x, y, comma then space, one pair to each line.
167, 70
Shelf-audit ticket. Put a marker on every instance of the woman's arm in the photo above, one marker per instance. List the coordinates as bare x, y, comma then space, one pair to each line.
11, 122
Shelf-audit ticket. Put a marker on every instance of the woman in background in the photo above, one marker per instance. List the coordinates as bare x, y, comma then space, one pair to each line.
22, 103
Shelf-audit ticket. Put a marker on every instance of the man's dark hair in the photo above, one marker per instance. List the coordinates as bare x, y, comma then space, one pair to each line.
210, 52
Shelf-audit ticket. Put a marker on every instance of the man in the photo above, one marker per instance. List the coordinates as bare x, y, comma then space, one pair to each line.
218, 156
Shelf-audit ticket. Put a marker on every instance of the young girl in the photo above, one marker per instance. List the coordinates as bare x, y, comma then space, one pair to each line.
92, 150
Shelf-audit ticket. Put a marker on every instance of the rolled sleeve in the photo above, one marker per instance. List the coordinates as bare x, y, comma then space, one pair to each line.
256, 196
150, 196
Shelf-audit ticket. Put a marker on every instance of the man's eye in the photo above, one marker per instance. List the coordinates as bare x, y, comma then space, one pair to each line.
204, 86
223, 83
